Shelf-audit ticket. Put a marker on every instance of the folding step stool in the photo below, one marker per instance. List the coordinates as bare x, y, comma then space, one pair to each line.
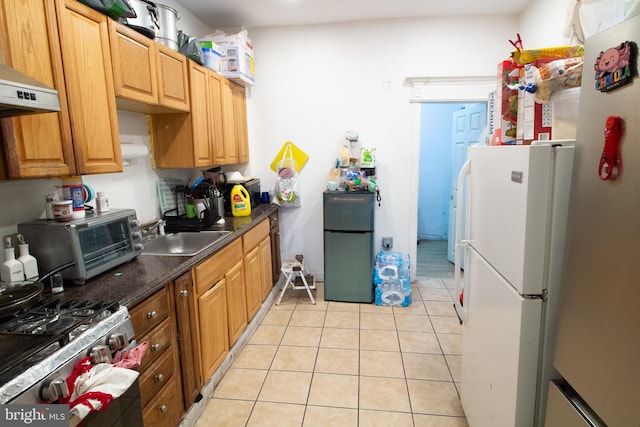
294, 274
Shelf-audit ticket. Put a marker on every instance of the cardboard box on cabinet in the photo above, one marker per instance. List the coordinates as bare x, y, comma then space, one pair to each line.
237, 62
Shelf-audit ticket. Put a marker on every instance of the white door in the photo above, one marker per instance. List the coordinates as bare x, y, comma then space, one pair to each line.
467, 126
500, 342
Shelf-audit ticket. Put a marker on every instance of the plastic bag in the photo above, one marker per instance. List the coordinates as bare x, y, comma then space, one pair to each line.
555, 75
190, 47
287, 187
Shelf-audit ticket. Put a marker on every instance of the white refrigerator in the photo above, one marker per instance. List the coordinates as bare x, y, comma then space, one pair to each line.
516, 198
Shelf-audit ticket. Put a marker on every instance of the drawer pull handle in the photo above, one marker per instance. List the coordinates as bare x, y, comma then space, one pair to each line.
152, 314
156, 347
163, 409
184, 293
159, 378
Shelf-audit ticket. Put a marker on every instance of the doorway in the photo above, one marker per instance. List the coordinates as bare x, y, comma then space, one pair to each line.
447, 129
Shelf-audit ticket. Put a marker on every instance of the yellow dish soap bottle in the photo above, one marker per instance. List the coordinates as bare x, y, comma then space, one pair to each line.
240, 201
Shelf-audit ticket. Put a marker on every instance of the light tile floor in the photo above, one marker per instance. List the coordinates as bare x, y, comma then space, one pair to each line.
346, 364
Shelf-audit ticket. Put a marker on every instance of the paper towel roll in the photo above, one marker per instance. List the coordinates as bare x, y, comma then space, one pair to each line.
134, 151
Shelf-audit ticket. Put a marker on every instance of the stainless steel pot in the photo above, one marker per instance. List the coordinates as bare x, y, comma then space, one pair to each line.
146, 20
168, 31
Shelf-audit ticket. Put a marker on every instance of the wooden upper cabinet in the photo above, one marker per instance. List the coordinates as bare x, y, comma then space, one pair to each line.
182, 140
173, 85
240, 116
229, 122
88, 73
37, 145
202, 147
148, 77
216, 129
133, 58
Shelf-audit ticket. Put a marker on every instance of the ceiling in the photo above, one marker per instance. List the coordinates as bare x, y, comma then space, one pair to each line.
271, 13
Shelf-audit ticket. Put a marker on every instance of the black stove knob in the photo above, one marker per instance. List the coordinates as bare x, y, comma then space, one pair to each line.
54, 389
100, 354
117, 341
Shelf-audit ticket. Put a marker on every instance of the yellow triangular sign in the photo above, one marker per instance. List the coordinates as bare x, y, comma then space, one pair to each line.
299, 156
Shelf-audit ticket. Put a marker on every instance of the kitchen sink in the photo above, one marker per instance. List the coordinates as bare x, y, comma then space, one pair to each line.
182, 244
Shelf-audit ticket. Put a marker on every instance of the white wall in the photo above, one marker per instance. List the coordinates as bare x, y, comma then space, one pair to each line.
312, 84
542, 23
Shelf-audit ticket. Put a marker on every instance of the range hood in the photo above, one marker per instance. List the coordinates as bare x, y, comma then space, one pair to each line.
20, 94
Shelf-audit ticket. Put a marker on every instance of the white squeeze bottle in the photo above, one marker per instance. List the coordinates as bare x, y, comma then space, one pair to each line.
29, 263
11, 269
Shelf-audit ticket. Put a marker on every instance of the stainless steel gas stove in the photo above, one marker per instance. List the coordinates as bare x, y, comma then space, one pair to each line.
40, 346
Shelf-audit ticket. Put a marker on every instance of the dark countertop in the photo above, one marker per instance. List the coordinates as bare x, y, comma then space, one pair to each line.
133, 282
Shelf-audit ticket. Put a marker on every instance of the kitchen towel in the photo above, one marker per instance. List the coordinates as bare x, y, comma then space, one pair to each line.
93, 387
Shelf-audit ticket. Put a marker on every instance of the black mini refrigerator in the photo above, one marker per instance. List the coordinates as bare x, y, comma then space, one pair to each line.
348, 246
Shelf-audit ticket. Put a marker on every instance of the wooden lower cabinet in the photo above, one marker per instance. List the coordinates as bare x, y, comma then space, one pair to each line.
152, 380
212, 315
236, 302
164, 410
160, 381
191, 323
253, 279
266, 266
184, 295
258, 268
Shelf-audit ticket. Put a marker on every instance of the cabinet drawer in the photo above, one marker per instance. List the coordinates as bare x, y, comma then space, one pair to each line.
156, 376
165, 409
159, 340
211, 270
150, 313
253, 237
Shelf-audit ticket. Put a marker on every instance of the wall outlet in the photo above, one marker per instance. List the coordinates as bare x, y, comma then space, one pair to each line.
387, 243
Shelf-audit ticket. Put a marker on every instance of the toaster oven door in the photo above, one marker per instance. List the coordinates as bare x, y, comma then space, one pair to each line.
103, 246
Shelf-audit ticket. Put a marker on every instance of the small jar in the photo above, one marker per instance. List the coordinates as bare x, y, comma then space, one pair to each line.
63, 210
102, 202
